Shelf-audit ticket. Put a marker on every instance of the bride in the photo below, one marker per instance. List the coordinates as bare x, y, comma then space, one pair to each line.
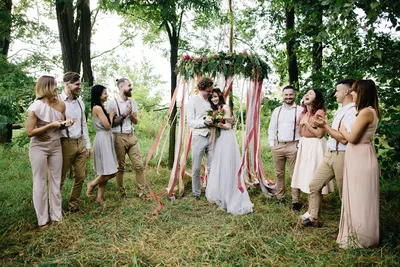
222, 188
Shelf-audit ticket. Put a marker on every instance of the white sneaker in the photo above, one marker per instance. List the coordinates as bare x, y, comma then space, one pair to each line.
305, 216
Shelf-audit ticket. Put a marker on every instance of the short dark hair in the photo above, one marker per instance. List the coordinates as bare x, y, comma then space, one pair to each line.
348, 82
204, 83
71, 77
288, 87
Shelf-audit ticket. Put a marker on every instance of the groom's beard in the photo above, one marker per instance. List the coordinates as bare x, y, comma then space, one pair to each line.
128, 93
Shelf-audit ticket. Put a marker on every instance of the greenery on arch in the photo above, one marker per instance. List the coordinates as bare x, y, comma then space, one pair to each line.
242, 64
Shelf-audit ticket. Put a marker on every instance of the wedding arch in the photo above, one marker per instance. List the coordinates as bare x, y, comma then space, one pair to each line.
223, 68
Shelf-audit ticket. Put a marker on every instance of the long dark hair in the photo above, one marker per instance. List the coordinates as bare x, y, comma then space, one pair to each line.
97, 91
367, 95
221, 101
319, 103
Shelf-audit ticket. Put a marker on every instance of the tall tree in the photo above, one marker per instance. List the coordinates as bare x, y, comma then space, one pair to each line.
74, 26
5, 26
290, 46
160, 16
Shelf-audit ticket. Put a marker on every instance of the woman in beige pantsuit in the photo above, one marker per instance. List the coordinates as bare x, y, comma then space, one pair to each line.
45, 119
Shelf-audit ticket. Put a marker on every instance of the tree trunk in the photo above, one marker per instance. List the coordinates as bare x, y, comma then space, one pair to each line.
68, 31
5, 36
173, 60
6, 24
6, 134
317, 52
231, 49
291, 54
85, 33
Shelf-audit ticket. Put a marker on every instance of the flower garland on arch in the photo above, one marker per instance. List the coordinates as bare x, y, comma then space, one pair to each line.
229, 64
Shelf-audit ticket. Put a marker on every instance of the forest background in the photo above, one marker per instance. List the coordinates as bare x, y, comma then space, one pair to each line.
310, 44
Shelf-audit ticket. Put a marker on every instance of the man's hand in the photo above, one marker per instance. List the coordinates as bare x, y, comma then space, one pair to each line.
128, 109
88, 152
208, 121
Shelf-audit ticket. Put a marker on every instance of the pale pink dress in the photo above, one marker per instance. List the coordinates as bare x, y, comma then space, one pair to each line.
359, 220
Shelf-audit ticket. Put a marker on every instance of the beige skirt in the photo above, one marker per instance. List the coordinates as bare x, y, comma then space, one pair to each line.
310, 155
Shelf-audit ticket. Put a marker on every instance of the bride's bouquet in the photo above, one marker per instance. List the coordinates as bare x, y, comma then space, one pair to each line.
217, 118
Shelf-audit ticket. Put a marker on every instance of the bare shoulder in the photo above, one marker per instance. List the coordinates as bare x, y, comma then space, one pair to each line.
366, 114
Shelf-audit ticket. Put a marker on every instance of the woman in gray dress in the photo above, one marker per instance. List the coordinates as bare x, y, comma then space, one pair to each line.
105, 160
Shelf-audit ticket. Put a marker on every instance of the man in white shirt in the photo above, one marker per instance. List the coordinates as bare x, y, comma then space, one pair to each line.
283, 138
74, 139
332, 166
125, 139
197, 120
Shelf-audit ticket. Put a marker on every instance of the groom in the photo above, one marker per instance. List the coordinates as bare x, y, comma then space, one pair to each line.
199, 122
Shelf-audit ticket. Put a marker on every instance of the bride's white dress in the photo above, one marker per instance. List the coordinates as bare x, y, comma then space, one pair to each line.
222, 187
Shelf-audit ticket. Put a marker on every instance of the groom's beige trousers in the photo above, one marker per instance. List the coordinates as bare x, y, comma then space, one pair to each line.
283, 152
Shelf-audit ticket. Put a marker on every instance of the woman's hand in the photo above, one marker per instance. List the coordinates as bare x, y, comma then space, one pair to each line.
320, 121
304, 120
225, 126
112, 113
58, 124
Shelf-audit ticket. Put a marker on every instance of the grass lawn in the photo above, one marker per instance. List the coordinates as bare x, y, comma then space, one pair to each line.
186, 233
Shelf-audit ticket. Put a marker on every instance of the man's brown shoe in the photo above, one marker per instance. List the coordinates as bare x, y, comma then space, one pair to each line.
309, 223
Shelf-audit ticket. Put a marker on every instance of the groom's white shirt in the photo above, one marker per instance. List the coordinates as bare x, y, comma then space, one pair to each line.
196, 111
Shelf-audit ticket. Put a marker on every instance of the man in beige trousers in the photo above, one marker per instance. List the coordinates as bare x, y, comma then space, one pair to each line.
283, 137
75, 140
126, 141
332, 166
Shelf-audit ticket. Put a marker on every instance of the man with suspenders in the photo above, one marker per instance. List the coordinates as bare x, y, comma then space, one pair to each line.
332, 166
283, 137
75, 139
126, 141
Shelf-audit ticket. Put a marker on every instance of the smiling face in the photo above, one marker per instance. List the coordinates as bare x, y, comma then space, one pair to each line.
207, 92
289, 96
126, 88
309, 97
104, 96
215, 98
74, 87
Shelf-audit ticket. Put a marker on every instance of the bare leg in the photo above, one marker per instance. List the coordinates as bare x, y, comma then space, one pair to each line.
102, 187
99, 180
100, 193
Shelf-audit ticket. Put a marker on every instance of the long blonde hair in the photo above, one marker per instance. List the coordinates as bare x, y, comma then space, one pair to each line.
45, 88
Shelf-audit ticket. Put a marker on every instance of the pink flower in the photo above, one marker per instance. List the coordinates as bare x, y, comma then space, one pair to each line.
216, 55
186, 57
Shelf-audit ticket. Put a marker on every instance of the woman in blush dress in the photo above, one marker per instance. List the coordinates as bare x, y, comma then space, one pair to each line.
312, 146
105, 159
223, 183
45, 119
359, 220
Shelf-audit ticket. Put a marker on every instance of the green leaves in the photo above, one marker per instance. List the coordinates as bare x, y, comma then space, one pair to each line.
243, 64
